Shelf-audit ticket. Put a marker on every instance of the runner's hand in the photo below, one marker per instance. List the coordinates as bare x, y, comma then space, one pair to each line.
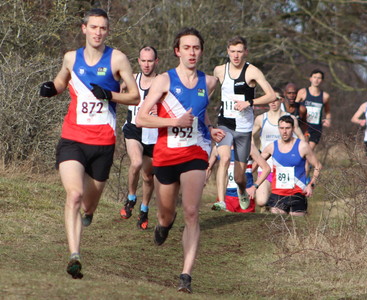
101, 93
48, 89
217, 134
186, 119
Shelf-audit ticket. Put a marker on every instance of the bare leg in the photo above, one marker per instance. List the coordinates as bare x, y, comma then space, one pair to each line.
192, 183
224, 153
263, 193
148, 181
135, 151
239, 175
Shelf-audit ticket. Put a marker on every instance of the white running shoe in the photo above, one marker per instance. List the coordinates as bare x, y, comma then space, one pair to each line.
219, 206
244, 199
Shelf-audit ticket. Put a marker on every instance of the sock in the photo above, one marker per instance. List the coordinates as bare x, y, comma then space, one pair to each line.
75, 255
144, 207
131, 197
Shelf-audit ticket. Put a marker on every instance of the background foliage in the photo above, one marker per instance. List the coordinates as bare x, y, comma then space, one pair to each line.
287, 39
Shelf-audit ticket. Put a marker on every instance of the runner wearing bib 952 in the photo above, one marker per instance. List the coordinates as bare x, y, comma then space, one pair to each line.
180, 157
238, 79
290, 154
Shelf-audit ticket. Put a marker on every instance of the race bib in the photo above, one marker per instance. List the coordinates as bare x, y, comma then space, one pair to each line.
284, 177
183, 137
231, 183
228, 107
92, 111
134, 111
313, 114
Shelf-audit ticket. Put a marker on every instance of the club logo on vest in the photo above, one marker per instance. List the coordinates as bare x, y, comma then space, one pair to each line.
178, 90
81, 71
201, 92
101, 71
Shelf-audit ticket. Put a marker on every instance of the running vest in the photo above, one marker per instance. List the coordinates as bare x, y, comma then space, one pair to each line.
178, 145
289, 172
148, 135
283, 107
236, 89
314, 105
89, 120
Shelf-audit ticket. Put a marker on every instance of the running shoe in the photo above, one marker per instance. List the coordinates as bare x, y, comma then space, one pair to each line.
74, 267
87, 219
220, 205
143, 220
243, 199
127, 210
161, 232
185, 284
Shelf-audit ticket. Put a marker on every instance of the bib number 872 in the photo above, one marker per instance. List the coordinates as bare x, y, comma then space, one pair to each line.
91, 106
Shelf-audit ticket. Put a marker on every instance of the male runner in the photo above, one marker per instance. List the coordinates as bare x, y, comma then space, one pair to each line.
362, 111
291, 106
238, 79
266, 125
140, 141
85, 152
181, 153
317, 103
289, 154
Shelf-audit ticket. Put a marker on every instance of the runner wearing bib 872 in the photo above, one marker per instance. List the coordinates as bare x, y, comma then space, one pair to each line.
239, 79
289, 154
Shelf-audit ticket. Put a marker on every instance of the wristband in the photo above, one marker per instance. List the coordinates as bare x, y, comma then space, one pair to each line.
312, 185
256, 185
251, 102
48, 89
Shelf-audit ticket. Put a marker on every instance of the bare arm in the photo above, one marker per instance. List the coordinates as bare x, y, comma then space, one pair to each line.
356, 117
327, 121
297, 129
62, 79
301, 95
121, 66
254, 75
309, 154
261, 162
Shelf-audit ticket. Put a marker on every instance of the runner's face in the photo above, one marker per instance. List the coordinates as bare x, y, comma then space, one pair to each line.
95, 31
291, 94
237, 54
316, 79
275, 105
147, 62
285, 130
189, 51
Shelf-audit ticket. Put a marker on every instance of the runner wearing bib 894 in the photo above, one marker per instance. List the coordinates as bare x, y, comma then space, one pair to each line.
289, 154
239, 79
317, 103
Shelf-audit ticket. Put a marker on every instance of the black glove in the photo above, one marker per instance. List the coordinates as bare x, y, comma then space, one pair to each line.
101, 93
48, 89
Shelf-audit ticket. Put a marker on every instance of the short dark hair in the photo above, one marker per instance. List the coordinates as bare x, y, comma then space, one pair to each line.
287, 119
318, 71
150, 48
95, 12
237, 40
187, 31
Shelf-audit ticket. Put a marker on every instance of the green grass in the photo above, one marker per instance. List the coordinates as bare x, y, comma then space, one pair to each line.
241, 256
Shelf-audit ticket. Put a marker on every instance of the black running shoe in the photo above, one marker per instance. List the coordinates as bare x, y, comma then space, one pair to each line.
126, 211
74, 267
87, 219
161, 232
143, 220
185, 284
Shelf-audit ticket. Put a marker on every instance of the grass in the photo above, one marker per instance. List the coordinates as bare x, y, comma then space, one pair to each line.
241, 256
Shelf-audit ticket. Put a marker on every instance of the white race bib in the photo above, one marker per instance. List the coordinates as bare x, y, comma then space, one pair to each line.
228, 107
284, 177
313, 114
183, 137
92, 111
231, 183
